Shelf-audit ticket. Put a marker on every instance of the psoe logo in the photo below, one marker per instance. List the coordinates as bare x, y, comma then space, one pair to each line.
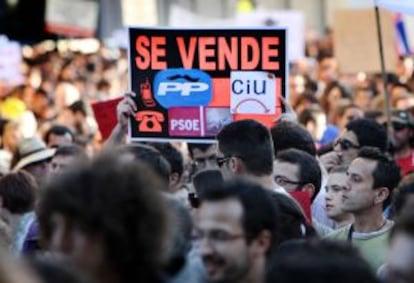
182, 88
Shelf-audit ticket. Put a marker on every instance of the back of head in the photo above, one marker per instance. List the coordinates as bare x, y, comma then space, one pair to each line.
172, 155
369, 133
286, 135
17, 192
118, 200
250, 141
259, 211
207, 179
72, 150
321, 262
401, 198
150, 156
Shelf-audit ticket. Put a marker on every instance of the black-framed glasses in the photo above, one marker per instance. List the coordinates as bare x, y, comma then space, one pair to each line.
283, 181
221, 160
202, 162
346, 144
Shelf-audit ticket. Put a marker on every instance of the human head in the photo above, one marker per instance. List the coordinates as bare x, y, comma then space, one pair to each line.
296, 170
236, 227
17, 192
66, 156
314, 120
293, 222
403, 126
332, 94
360, 133
203, 155
336, 185
34, 157
101, 215
245, 147
150, 156
320, 261
58, 135
286, 135
403, 198
10, 135
372, 176
327, 67
399, 260
176, 161
348, 113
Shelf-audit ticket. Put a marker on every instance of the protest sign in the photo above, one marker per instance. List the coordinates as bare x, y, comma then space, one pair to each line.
356, 42
10, 61
105, 116
72, 18
190, 83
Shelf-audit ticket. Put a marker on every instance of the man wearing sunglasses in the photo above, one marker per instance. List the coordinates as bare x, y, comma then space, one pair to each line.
246, 149
359, 133
402, 139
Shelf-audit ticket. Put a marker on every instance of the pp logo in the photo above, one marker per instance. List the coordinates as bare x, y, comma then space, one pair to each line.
182, 88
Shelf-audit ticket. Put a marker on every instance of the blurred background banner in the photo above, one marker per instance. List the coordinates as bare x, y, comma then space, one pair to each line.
75, 18
401, 6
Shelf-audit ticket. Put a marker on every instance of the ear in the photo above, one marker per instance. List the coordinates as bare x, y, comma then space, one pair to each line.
174, 179
381, 195
262, 242
309, 188
236, 165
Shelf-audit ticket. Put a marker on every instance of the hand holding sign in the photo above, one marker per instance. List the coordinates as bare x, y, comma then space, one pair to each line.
126, 108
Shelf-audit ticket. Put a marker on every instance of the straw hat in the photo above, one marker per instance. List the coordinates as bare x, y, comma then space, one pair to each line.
32, 150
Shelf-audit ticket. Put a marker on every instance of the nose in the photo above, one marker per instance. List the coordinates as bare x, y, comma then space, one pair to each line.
205, 247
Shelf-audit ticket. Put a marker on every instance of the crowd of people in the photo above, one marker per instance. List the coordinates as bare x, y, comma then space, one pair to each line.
75, 208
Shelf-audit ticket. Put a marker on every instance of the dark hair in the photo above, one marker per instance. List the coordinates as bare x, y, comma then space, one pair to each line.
151, 156
259, 211
250, 141
309, 169
120, 201
172, 155
369, 133
200, 146
319, 261
58, 130
325, 95
102, 84
286, 135
207, 179
71, 150
78, 106
342, 109
18, 191
52, 270
386, 173
307, 96
404, 224
400, 197
293, 222
310, 114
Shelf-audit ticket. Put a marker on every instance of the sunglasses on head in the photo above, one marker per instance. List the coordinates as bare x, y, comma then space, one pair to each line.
346, 144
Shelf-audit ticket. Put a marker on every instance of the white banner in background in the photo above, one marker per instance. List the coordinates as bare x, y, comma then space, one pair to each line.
293, 21
400, 6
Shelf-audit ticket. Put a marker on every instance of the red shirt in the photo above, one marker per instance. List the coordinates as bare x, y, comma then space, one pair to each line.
406, 163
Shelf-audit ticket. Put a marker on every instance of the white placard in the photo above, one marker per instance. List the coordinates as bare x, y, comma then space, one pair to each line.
252, 93
10, 61
293, 21
72, 18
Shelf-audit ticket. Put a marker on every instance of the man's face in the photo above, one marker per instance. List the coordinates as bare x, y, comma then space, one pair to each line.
225, 253
346, 147
402, 135
327, 70
286, 175
60, 162
400, 259
334, 191
40, 171
59, 140
205, 159
359, 194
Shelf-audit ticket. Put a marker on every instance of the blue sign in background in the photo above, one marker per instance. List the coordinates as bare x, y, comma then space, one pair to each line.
182, 88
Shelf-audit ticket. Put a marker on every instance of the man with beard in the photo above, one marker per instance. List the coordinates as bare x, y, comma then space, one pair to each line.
402, 139
236, 231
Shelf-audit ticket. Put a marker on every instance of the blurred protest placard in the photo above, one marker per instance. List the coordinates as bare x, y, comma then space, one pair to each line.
356, 41
293, 21
74, 18
10, 61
